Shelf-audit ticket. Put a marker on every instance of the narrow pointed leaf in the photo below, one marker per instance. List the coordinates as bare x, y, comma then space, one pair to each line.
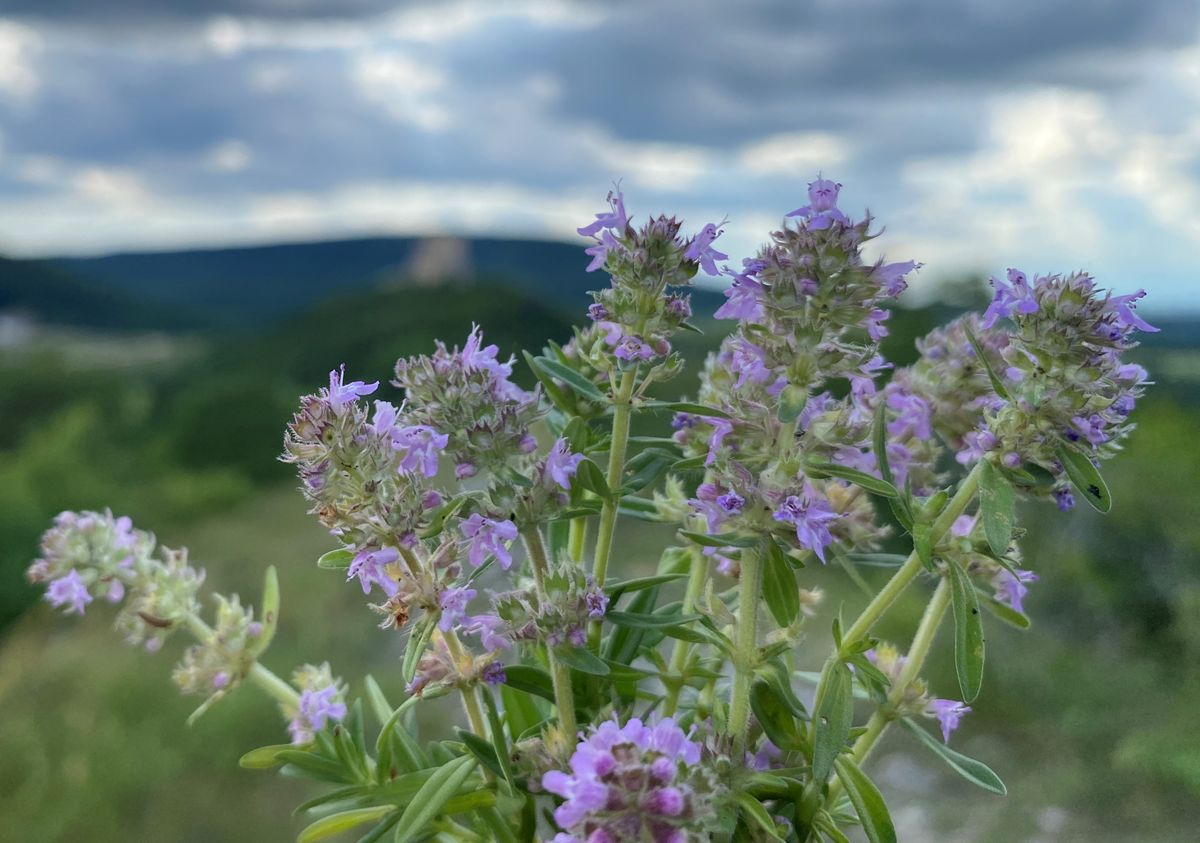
336, 560
833, 718
968, 632
859, 478
582, 659
996, 506
779, 585
997, 384
1085, 477
337, 823
867, 800
569, 376
973, 771
429, 801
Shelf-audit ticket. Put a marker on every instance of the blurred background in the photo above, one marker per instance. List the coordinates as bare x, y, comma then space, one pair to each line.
205, 206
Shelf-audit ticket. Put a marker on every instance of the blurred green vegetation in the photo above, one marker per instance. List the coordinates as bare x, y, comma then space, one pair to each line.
1088, 716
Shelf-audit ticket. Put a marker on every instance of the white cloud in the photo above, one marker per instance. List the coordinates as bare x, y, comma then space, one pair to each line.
231, 156
797, 154
404, 86
19, 45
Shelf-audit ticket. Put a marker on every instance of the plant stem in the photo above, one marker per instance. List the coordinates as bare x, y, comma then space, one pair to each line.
697, 576
746, 650
266, 681
918, 652
560, 676
470, 696
622, 410
912, 566
577, 539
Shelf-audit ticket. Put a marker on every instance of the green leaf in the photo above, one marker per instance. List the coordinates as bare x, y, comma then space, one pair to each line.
997, 384
639, 620
690, 464
1085, 477
270, 611
557, 397
316, 766
859, 478
418, 639
720, 540
996, 506
615, 589
779, 585
582, 659
521, 710
647, 466
791, 403
342, 794
265, 757
337, 823
687, 407
433, 796
1003, 611
833, 717
775, 716
438, 522
867, 801
640, 508
973, 771
394, 742
380, 707
880, 443
968, 632
531, 680
589, 476
336, 560
756, 814
877, 560
482, 749
569, 376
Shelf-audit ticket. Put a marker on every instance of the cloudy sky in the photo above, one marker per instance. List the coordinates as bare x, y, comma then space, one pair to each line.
983, 134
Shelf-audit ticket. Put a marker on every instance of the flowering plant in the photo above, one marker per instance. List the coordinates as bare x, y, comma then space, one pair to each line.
598, 710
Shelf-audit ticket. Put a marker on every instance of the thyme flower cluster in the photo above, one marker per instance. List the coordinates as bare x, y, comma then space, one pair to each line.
478, 517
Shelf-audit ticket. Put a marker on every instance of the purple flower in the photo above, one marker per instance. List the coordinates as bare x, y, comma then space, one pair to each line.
914, 416
748, 362
488, 537
596, 602
632, 348
478, 357
949, 713
370, 566
811, 516
891, 275
1011, 589
317, 707
1090, 428
453, 603
631, 782
493, 674
744, 300
421, 445
561, 464
597, 312
600, 250
491, 631
701, 249
383, 423
822, 209
1011, 298
615, 219
978, 443
731, 502
1125, 315
70, 591
721, 429
341, 392
963, 526
1064, 499
876, 330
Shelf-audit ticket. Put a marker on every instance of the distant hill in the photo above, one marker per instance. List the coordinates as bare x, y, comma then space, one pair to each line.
246, 286
49, 294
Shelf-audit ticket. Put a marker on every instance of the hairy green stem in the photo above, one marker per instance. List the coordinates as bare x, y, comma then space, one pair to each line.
697, 576
560, 676
470, 696
266, 681
912, 566
914, 661
577, 538
746, 649
622, 410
